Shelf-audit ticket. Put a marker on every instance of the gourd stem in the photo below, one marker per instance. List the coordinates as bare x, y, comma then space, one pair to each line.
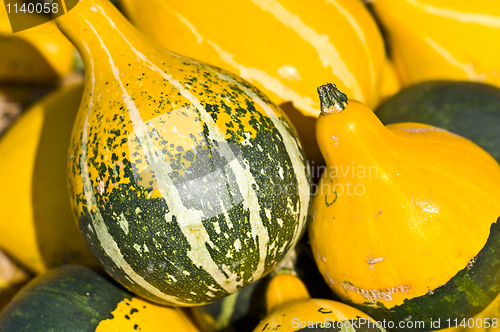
97, 30
332, 99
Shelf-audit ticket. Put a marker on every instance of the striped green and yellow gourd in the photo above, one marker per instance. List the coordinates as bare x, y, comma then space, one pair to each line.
186, 181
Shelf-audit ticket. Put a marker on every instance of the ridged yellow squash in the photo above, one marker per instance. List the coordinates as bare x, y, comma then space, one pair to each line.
404, 221
36, 222
38, 55
283, 47
443, 39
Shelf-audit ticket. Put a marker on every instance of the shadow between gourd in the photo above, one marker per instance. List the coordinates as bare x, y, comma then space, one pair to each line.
305, 126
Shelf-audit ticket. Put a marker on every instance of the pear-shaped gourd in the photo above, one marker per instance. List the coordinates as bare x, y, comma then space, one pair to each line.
290, 308
187, 182
404, 223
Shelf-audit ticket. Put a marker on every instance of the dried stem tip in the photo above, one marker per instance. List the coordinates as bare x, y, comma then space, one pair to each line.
332, 99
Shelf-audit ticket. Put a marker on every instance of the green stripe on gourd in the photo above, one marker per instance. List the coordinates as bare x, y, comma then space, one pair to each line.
165, 244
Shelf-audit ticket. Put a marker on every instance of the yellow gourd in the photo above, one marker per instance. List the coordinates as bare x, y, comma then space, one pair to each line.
281, 47
391, 84
38, 55
36, 221
290, 308
443, 39
403, 215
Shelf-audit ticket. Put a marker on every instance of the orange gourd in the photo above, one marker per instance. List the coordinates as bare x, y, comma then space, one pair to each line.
404, 215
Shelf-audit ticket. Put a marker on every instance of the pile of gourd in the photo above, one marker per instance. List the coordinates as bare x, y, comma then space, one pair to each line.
217, 166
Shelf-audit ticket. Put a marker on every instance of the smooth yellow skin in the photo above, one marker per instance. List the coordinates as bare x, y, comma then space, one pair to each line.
391, 84
414, 205
149, 317
443, 39
36, 221
37, 55
283, 47
289, 305
284, 288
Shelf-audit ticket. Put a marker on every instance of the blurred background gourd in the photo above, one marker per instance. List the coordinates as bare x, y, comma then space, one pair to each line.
39, 55
282, 47
36, 220
442, 39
